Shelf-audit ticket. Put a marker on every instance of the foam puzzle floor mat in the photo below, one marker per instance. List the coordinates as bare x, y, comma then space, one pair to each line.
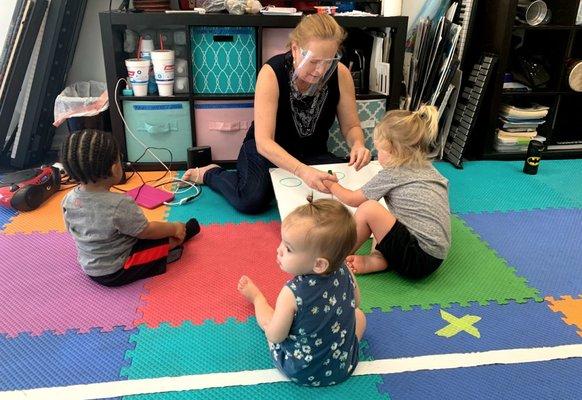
419, 332
212, 208
472, 272
571, 309
49, 216
356, 388
203, 283
43, 288
501, 186
542, 245
557, 379
61, 360
512, 281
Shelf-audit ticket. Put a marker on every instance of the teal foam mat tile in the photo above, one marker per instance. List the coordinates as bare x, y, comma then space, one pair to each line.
199, 349
211, 208
202, 349
563, 176
500, 186
363, 387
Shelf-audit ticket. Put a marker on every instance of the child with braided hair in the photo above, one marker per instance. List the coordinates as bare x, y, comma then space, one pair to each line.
116, 244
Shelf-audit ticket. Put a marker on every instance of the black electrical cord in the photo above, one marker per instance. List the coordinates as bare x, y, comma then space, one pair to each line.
144, 182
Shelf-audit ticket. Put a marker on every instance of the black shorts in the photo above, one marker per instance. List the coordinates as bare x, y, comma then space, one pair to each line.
404, 255
147, 258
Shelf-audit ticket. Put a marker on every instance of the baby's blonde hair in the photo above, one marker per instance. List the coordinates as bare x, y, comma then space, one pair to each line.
407, 135
317, 26
330, 229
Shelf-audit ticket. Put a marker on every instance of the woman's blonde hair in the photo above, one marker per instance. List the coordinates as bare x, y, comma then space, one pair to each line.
330, 229
408, 135
317, 26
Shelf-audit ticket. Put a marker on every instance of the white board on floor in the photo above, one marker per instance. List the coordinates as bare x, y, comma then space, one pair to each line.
292, 192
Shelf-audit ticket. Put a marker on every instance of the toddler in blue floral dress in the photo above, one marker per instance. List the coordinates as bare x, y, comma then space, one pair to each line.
316, 325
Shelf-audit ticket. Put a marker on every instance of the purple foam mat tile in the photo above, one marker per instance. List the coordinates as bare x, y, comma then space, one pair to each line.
74, 358
557, 379
400, 333
43, 288
542, 245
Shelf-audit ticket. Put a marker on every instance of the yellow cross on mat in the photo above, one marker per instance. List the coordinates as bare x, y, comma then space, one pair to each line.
457, 325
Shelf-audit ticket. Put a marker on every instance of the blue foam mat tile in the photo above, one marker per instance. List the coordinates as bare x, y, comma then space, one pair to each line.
542, 245
6, 214
499, 186
211, 208
60, 360
400, 333
355, 388
557, 379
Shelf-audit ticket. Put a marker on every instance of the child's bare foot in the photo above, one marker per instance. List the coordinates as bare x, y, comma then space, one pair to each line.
248, 289
196, 175
366, 264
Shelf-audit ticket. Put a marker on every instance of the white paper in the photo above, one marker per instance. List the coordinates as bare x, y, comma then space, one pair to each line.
292, 192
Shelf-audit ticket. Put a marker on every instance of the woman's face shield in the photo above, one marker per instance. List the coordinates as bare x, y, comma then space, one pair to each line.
312, 71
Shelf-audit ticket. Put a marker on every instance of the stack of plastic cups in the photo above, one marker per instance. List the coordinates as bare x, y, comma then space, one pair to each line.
138, 73
181, 76
163, 61
147, 46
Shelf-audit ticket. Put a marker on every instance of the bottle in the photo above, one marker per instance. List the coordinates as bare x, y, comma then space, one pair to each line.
533, 157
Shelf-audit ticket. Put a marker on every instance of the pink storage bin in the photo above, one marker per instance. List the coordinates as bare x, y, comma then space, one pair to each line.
222, 125
275, 41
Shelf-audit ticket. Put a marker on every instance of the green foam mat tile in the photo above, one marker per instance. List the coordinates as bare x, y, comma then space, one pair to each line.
365, 248
472, 272
363, 387
500, 186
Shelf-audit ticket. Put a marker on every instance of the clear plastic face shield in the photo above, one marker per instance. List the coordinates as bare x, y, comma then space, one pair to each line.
312, 71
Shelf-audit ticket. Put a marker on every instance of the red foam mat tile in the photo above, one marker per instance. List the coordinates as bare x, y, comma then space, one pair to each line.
202, 285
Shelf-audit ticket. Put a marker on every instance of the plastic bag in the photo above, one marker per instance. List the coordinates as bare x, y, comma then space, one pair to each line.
211, 5
82, 99
235, 7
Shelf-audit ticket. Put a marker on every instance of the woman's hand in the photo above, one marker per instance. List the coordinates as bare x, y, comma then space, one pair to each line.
315, 178
359, 156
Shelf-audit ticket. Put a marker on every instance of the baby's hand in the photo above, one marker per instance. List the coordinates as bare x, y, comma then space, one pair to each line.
180, 231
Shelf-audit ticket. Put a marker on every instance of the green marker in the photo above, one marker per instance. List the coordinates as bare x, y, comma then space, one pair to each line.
329, 171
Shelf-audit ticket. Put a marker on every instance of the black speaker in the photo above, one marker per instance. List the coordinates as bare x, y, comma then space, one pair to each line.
199, 156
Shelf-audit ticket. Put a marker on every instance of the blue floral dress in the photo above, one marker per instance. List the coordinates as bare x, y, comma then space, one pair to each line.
322, 347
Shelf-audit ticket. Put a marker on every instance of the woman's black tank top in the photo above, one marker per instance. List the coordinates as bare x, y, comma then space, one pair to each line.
303, 122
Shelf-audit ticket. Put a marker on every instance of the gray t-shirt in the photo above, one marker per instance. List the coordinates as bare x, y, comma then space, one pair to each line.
104, 226
418, 198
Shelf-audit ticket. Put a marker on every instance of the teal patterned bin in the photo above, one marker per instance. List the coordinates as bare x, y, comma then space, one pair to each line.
224, 59
370, 113
158, 124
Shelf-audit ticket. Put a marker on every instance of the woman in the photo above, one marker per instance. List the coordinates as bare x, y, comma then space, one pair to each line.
297, 97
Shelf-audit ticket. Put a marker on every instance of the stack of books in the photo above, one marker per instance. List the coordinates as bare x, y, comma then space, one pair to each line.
519, 125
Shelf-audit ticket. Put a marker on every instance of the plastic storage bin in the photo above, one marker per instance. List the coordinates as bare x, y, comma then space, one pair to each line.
222, 125
370, 113
158, 124
224, 60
